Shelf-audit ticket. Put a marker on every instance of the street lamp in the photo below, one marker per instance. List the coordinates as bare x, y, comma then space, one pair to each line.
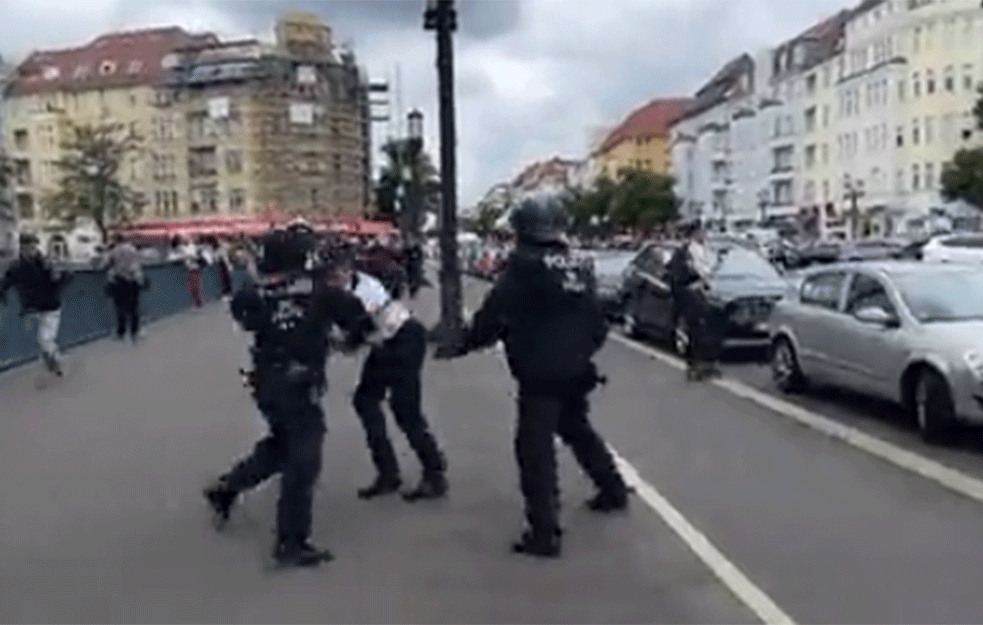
853, 191
764, 198
440, 16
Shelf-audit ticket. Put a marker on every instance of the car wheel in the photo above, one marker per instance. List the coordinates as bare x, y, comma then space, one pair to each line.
680, 335
935, 411
785, 369
629, 320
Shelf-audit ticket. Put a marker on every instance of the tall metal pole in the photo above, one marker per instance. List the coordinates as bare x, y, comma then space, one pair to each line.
441, 17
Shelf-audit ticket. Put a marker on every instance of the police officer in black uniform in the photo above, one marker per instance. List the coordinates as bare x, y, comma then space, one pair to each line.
289, 314
545, 310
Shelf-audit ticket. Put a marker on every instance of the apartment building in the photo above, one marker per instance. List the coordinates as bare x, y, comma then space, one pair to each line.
8, 219
113, 79
799, 101
277, 128
716, 146
226, 127
642, 141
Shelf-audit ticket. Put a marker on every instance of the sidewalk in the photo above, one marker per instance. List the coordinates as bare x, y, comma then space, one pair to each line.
102, 519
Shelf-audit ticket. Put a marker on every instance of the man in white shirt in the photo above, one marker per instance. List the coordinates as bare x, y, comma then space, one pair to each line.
393, 367
701, 327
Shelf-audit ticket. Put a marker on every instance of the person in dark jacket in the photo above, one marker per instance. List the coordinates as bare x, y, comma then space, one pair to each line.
39, 288
289, 314
546, 293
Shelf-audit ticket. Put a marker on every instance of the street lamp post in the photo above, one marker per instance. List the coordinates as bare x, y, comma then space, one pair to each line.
441, 16
414, 148
854, 190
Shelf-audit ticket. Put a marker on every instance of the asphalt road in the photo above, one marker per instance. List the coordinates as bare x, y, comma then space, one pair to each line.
101, 519
831, 534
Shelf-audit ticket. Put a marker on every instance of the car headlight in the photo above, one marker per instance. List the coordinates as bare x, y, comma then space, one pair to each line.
974, 360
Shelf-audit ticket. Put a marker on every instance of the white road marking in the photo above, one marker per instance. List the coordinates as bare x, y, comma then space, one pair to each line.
725, 570
951, 479
729, 575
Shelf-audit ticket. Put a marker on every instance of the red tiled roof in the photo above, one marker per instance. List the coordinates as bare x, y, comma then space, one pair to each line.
112, 60
652, 119
555, 168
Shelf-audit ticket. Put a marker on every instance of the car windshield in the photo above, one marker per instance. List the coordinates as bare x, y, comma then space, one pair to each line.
740, 263
943, 296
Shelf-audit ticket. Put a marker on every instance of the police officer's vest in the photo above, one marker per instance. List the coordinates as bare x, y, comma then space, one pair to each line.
282, 332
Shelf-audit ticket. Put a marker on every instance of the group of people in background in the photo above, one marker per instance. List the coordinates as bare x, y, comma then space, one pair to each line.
40, 283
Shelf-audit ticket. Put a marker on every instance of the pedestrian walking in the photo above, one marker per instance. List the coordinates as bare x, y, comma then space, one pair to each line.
190, 255
125, 281
545, 309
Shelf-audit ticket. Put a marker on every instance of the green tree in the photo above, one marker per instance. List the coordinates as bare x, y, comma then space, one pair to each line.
644, 200
490, 209
397, 171
962, 177
89, 187
585, 205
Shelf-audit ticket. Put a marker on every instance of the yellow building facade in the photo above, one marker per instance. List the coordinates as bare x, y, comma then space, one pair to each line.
642, 141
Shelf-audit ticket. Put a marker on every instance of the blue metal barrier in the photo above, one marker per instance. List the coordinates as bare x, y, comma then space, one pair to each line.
88, 314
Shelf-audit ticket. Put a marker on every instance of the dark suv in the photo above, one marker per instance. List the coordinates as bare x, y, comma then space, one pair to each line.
745, 287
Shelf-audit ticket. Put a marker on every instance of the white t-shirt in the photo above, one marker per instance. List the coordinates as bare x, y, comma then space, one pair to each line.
389, 314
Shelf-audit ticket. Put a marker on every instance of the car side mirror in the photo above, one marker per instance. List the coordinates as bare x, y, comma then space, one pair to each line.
875, 315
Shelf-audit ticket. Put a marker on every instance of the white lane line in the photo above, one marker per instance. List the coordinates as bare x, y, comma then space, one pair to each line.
951, 479
726, 571
730, 576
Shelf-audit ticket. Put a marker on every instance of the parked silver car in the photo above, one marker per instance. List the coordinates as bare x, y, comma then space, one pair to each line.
905, 331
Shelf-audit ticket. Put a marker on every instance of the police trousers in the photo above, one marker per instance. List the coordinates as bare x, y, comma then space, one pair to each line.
704, 324
546, 412
292, 449
395, 368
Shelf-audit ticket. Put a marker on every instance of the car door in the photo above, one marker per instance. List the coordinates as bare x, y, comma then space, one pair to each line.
645, 284
869, 354
817, 316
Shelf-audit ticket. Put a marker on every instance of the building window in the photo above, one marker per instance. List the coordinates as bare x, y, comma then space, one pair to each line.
949, 81
134, 67
21, 142
929, 128
233, 161
929, 81
237, 200
25, 206
81, 72
968, 77
916, 84
916, 178
901, 90
107, 67
929, 176
916, 39
899, 181
900, 136
915, 132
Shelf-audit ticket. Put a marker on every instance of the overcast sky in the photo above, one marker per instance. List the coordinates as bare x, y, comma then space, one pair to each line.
533, 76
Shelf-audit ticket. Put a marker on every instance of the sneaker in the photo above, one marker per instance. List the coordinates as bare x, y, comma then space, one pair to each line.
434, 487
303, 554
381, 486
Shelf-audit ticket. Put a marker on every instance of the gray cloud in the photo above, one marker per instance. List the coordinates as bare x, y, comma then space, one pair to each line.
532, 75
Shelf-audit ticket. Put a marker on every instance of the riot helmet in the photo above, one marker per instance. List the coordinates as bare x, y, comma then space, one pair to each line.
541, 219
284, 251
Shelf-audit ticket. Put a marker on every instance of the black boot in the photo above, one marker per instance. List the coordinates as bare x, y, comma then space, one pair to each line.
299, 554
540, 544
220, 499
430, 487
383, 485
608, 502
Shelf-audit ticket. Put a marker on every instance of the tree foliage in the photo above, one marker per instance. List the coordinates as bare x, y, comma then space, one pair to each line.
639, 200
962, 177
491, 208
392, 177
89, 185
